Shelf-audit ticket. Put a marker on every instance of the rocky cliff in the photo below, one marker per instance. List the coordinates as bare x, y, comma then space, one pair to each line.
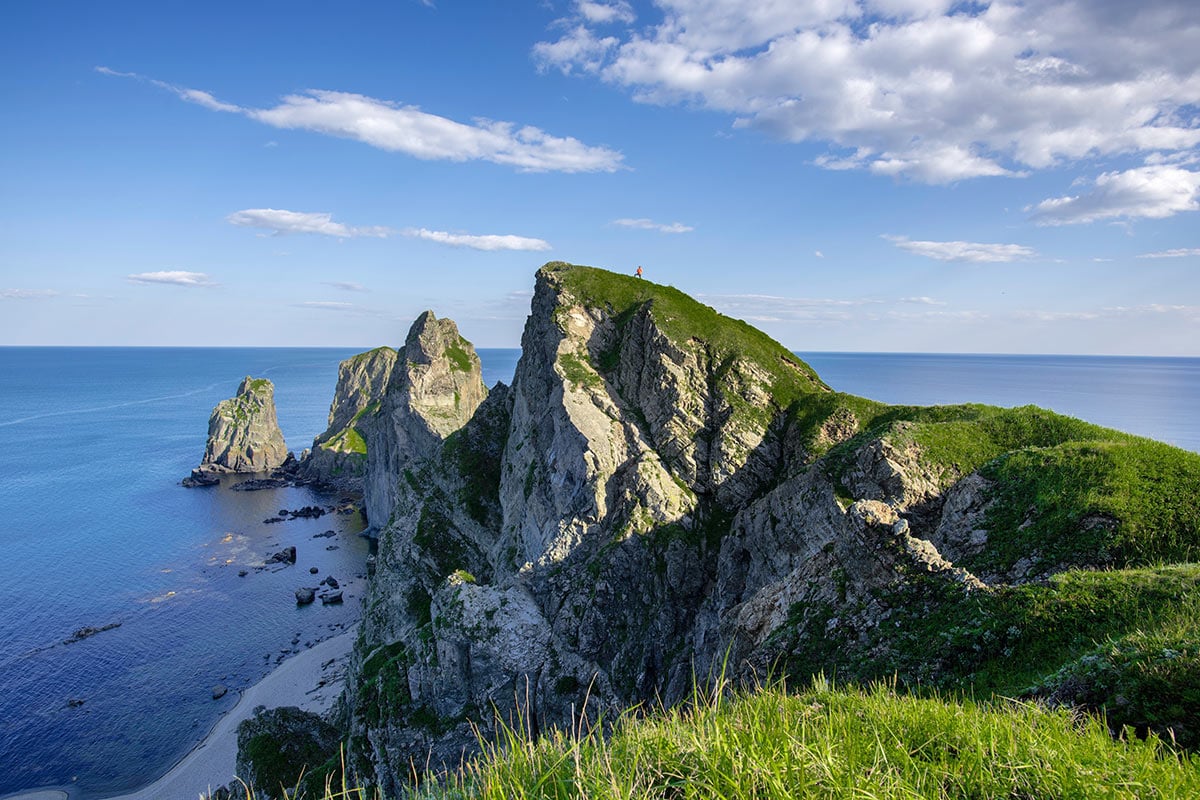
434, 387
665, 493
243, 432
338, 457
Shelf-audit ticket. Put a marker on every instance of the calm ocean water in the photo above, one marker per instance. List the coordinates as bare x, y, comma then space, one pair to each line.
95, 529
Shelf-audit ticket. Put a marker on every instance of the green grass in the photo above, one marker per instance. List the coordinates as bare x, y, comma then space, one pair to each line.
1119, 503
578, 372
458, 356
827, 743
348, 440
1014, 640
824, 742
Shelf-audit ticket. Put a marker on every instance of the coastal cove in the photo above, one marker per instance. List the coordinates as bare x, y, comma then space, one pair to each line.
97, 530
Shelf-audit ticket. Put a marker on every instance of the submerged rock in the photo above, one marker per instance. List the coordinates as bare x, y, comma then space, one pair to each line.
305, 596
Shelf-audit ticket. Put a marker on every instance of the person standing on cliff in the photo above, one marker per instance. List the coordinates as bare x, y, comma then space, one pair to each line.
639, 270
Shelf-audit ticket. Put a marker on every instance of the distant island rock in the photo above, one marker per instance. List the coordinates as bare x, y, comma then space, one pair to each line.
243, 435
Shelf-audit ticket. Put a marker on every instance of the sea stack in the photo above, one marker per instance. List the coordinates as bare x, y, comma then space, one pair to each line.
243, 434
338, 458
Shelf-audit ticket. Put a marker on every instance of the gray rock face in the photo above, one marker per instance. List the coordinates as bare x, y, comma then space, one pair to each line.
639, 508
433, 389
243, 432
338, 457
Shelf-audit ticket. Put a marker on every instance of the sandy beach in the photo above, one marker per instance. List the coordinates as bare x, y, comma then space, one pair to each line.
295, 682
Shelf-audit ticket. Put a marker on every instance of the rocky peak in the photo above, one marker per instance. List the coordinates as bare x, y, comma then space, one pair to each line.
433, 389
243, 431
338, 457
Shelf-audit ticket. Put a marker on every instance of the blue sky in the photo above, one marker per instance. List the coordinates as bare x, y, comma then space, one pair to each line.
870, 175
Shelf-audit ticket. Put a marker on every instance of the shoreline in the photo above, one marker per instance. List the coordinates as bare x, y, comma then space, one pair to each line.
210, 764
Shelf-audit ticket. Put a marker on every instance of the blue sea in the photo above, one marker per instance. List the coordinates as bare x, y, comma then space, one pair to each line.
95, 529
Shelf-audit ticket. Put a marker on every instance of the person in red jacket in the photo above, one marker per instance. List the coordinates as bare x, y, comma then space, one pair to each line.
639, 270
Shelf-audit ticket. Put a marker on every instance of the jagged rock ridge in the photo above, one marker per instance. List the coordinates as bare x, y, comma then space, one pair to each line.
243, 431
665, 492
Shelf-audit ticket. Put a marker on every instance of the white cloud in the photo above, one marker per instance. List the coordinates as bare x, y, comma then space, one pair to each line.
818, 254
27, 294
407, 129
933, 90
601, 13
922, 301
280, 221
1176, 253
970, 252
173, 277
478, 242
1152, 192
651, 225
346, 286
579, 49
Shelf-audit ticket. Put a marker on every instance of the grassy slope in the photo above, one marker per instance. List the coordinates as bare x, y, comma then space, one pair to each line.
826, 743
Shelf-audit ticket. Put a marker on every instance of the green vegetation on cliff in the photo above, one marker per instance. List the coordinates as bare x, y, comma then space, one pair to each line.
683, 319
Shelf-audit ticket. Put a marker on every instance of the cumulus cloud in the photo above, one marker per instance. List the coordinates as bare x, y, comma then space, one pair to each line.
970, 252
651, 225
1154, 192
280, 221
1180, 252
27, 294
931, 90
478, 242
399, 128
173, 277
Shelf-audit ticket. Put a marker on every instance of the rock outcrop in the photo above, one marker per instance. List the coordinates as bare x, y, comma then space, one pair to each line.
665, 494
338, 458
243, 432
433, 389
